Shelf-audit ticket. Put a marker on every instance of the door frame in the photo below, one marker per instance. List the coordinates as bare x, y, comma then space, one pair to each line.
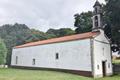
104, 68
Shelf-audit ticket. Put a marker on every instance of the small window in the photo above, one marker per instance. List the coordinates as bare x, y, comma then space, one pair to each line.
108, 65
95, 10
33, 62
96, 18
57, 56
16, 60
97, 66
96, 21
103, 51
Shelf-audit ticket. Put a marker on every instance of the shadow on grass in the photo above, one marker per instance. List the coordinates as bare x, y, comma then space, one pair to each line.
75, 72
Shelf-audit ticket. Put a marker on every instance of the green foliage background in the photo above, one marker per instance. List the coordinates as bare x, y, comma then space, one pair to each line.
3, 52
111, 15
19, 34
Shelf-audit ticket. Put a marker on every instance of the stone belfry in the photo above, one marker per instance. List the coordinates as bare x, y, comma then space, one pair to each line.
97, 16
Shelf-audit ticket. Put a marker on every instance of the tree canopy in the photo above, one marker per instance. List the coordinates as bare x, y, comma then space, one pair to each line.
83, 22
111, 11
60, 32
19, 34
3, 52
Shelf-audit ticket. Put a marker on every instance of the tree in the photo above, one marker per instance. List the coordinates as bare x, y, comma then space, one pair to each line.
60, 32
65, 32
54, 32
18, 34
83, 22
3, 52
112, 13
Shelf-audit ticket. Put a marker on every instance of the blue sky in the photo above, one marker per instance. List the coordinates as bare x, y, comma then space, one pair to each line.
43, 14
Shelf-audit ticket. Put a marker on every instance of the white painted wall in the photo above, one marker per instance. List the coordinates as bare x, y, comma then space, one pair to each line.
73, 55
102, 55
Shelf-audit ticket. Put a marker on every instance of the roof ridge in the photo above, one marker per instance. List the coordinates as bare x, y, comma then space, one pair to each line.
60, 39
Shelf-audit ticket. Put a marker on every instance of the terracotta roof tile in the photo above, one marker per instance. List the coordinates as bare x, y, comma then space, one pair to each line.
61, 39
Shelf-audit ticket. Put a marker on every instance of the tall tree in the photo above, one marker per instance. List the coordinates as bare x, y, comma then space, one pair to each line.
83, 22
60, 32
18, 34
3, 52
112, 13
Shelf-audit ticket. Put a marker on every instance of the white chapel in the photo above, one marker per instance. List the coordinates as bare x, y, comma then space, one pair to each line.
87, 54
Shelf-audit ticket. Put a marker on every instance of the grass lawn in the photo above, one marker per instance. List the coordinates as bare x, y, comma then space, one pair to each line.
116, 61
18, 74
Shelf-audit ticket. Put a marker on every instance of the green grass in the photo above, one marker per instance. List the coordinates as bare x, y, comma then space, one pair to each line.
19, 74
116, 61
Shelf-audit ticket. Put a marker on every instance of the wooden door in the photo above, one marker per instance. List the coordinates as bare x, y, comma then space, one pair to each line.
104, 68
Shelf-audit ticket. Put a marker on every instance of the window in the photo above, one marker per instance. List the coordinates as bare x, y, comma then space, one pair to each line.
103, 50
33, 62
96, 18
95, 10
16, 60
96, 21
97, 66
108, 65
57, 56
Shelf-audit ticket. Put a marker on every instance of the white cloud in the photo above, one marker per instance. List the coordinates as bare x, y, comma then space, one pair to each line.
43, 14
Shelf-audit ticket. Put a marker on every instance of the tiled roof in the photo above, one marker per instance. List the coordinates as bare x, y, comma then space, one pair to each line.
61, 39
